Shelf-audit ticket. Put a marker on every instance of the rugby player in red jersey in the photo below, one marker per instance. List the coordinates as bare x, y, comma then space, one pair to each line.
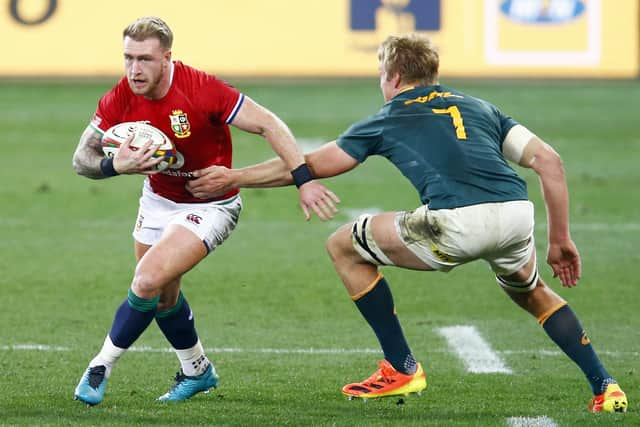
177, 224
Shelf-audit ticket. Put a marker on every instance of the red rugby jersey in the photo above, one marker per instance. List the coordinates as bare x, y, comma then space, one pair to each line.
194, 113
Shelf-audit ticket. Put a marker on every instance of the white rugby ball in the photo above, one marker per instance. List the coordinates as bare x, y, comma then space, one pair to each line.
115, 136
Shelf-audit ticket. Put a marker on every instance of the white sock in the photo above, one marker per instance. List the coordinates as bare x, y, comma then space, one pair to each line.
108, 356
193, 360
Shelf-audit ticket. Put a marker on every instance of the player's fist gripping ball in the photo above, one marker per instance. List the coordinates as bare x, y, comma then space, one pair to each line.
115, 136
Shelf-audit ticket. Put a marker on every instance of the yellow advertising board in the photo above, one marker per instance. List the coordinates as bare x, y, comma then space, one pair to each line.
516, 38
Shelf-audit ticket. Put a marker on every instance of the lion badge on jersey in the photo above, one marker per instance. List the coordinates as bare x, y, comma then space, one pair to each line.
180, 124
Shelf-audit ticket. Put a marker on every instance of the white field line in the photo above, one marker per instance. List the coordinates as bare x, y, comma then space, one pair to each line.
147, 349
267, 350
33, 347
475, 352
309, 351
543, 421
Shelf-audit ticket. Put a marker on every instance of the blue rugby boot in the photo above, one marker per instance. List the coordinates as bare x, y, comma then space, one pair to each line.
90, 389
185, 387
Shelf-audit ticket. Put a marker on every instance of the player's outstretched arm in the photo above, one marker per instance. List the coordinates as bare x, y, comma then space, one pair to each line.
256, 119
214, 181
562, 254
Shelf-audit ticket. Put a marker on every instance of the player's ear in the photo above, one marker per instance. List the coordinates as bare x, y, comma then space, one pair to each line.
397, 80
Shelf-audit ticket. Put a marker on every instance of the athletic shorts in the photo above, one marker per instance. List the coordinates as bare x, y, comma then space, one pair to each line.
212, 222
499, 233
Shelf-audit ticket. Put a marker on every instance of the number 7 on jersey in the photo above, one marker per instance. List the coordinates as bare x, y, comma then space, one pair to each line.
458, 124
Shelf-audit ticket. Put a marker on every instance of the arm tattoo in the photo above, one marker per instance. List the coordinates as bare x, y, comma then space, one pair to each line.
86, 159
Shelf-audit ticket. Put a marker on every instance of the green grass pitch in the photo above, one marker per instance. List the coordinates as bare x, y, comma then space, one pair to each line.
279, 326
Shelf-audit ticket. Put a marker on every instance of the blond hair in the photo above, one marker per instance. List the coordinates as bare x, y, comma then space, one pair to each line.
412, 56
150, 27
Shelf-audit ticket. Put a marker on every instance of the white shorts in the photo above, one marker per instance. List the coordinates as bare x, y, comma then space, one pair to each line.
212, 222
499, 233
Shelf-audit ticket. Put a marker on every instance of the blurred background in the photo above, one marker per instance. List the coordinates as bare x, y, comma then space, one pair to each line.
477, 38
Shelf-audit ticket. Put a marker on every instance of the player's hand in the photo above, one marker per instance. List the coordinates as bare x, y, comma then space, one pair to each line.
316, 197
213, 181
564, 259
129, 161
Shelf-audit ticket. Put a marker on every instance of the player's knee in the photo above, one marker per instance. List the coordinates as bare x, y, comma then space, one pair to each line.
166, 303
333, 247
517, 283
330, 245
146, 284
337, 244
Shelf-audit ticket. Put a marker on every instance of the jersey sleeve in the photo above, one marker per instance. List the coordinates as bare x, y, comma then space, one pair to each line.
363, 138
506, 123
110, 108
220, 99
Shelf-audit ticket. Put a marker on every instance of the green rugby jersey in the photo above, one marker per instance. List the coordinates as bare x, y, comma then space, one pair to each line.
448, 144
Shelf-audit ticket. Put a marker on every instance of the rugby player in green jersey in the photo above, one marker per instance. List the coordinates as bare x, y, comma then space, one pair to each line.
454, 149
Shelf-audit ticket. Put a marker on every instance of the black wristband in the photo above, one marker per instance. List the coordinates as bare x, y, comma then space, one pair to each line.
106, 166
301, 175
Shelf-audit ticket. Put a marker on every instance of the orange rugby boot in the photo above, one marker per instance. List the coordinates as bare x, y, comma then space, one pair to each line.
612, 400
385, 382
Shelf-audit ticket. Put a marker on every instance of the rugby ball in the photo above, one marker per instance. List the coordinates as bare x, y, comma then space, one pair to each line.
115, 136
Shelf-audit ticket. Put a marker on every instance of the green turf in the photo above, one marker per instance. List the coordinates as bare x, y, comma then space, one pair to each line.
270, 292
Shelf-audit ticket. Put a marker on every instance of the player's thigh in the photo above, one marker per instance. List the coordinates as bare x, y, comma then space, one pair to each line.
514, 260
170, 292
189, 233
525, 272
212, 223
140, 249
177, 252
376, 238
439, 238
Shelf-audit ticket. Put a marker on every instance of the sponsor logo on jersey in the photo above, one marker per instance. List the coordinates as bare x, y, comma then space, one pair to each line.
180, 124
434, 94
168, 171
543, 11
193, 218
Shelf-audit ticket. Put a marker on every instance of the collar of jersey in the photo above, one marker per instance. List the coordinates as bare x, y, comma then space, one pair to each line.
405, 89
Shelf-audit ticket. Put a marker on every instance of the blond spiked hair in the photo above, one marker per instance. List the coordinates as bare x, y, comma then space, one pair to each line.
412, 56
150, 27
